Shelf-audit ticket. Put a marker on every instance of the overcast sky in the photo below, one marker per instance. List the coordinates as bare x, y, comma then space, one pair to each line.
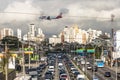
81, 12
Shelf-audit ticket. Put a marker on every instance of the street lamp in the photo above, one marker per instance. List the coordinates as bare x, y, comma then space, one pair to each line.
118, 51
94, 46
23, 62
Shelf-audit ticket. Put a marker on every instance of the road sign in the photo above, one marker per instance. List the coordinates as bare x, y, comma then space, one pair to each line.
90, 50
28, 50
80, 50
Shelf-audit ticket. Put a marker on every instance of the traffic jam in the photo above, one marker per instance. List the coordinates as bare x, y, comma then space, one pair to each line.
55, 67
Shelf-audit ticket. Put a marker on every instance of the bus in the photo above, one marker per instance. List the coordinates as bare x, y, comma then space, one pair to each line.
99, 63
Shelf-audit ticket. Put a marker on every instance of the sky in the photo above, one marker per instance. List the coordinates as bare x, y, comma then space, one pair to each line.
95, 14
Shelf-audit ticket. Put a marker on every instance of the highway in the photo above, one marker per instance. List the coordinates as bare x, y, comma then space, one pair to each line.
100, 73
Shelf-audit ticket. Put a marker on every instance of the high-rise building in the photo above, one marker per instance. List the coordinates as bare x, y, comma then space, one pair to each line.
93, 34
32, 30
19, 34
6, 32
39, 31
116, 45
40, 36
34, 34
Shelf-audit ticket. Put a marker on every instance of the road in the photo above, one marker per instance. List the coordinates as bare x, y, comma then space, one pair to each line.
100, 73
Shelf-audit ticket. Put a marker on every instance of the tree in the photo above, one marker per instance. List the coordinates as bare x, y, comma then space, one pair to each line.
11, 40
5, 61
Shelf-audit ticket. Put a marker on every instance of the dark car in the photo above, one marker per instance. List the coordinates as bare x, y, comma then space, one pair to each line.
76, 73
107, 74
62, 71
62, 79
48, 75
118, 75
95, 68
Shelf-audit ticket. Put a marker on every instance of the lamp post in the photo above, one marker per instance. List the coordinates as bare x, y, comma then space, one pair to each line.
23, 55
94, 46
29, 58
23, 59
118, 51
6, 57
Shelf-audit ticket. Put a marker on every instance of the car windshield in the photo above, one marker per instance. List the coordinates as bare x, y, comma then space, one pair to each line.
64, 75
80, 79
62, 79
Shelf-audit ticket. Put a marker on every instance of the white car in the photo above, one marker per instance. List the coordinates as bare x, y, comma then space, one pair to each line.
80, 77
89, 67
82, 62
95, 78
87, 63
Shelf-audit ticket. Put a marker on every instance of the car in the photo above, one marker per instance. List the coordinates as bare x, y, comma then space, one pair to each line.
118, 75
74, 70
80, 77
48, 77
34, 77
95, 78
87, 63
62, 71
64, 76
107, 74
95, 68
62, 79
89, 67
76, 73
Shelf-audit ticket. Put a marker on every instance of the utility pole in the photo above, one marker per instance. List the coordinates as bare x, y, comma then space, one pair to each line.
6, 65
112, 38
6, 57
29, 57
23, 59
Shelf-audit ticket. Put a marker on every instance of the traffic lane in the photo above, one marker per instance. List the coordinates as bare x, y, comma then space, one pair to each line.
90, 72
66, 69
79, 69
103, 70
56, 77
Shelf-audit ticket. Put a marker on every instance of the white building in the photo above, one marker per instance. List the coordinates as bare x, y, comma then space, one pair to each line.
54, 40
117, 40
25, 37
19, 34
32, 32
40, 35
40, 31
93, 34
6, 32
74, 34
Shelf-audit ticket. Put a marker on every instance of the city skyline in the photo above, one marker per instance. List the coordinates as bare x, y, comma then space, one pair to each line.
20, 13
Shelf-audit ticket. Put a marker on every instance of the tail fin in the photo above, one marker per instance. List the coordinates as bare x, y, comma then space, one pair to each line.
59, 16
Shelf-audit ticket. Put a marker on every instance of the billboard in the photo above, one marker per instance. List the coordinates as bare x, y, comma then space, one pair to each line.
11, 64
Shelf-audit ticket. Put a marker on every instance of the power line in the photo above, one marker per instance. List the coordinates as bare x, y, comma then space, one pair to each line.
111, 17
20, 13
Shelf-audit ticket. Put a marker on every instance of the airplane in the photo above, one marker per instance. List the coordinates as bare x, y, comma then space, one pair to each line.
51, 17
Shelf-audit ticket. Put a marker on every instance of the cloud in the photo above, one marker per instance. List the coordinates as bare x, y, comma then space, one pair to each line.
82, 13
88, 12
20, 11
